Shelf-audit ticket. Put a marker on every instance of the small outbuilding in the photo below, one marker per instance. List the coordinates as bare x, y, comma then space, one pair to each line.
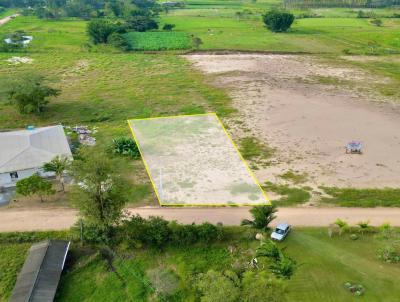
40, 275
24, 152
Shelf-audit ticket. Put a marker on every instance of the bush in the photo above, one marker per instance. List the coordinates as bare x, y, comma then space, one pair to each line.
100, 29
118, 41
164, 281
125, 146
217, 287
278, 21
157, 232
168, 27
377, 22
390, 253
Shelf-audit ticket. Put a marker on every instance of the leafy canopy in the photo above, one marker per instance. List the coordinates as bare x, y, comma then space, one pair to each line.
100, 193
278, 21
30, 94
34, 185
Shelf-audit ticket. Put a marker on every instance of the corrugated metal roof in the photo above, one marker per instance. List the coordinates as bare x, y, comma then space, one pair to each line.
39, 277
26, 149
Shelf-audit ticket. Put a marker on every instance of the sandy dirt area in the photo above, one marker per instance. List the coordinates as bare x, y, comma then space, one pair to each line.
5, 20
283, 101
59, 218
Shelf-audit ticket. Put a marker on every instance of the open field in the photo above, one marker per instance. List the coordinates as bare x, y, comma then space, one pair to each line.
335, 31
326, 264
307, 110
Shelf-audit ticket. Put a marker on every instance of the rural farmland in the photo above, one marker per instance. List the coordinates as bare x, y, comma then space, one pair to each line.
192, 130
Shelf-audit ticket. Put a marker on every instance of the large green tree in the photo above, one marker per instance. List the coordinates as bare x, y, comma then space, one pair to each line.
99, 193
278, 21
30, 93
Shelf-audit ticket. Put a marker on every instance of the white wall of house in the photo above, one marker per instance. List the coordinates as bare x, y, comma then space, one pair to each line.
6, 181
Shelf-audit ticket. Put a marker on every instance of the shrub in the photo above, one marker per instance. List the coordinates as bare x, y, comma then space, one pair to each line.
343, 226
34, 185
118, 41
208, 232
134, 229
157, 233
261, 287
353, 237
390, 253
278, 21
100, 29
164, 281
168, 26
377, 22
125, 146
217, 287
183, 235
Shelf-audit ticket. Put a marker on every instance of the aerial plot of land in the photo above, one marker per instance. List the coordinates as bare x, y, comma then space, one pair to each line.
192, 161
260, 161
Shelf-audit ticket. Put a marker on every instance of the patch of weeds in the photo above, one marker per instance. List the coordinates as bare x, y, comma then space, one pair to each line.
349, 197
294, 177
290, 195
254, 150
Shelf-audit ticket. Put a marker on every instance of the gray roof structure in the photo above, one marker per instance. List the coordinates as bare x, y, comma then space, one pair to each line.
39, 277
27, 149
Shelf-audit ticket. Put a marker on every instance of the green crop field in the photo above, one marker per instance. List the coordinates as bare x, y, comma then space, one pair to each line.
158, 40
325, 265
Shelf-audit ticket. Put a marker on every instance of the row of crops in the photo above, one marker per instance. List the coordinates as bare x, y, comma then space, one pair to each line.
158, 40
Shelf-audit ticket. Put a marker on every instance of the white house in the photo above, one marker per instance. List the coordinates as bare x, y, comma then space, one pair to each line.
23, 152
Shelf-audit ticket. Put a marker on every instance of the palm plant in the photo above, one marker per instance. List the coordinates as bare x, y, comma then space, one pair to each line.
262, 217
58, 165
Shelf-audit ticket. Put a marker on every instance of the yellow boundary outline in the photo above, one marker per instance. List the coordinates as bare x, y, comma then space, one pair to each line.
233, 144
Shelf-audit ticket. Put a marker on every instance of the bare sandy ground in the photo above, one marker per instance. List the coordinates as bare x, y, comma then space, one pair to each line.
281, 100
5, 20
59, 218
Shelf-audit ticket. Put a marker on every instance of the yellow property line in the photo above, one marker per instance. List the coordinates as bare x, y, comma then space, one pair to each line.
230, 139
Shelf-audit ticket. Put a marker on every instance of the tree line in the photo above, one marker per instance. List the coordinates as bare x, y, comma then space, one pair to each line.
340, 3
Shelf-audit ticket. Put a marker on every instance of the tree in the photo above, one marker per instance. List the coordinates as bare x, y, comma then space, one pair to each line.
100, 29
141, 21
30, 94
217, 287
58, 165
278, 21
118, 41
261, 287
196, 41
34, 185
262, 217
99, 192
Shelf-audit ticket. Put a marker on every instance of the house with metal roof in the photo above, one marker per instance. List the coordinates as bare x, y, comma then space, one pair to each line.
40, 275
23, 152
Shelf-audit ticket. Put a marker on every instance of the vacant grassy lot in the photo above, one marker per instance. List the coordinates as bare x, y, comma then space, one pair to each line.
325, 265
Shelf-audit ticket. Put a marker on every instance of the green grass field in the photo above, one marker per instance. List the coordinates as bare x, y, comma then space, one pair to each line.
158, 40
325, 265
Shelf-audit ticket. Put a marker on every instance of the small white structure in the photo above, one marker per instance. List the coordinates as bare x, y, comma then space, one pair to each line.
23, 152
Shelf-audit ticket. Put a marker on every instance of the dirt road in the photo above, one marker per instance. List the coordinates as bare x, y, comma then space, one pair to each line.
58, 219
5, 20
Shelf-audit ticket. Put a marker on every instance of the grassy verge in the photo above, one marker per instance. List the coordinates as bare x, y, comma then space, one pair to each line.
290, 196
348, 197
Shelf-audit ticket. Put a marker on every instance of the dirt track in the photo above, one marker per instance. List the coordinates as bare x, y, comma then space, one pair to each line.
5, 20
58, 218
